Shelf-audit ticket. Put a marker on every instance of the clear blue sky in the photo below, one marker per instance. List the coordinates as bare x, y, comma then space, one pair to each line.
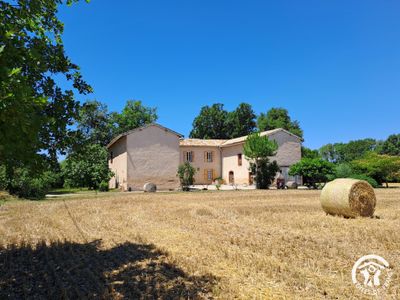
335, 65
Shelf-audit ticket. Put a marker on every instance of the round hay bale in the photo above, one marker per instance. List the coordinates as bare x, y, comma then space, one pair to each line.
349, 198
292, 185
150, 187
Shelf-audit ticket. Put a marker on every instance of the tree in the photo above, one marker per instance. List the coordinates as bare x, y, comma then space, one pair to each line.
186, 175
87, 167
94, 123
257, 150
309, 153
382, 168
391, 146
134, 115
35, 113
346, 152
241, 121
278, 118
210, 123
313, 170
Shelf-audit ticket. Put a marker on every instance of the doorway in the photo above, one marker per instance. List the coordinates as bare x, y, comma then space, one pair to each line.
231, 177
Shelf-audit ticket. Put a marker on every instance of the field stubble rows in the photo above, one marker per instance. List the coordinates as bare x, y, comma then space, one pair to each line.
239, 244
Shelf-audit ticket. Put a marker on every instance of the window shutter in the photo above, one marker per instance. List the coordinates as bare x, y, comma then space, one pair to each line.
205, 156
184, 156
212, 156
192, 156
205, 175
213, 174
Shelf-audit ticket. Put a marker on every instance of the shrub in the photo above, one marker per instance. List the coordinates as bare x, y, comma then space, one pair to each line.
3, 178
103, 187
26, 185
314, 171
368, 179
186, 175
343, 171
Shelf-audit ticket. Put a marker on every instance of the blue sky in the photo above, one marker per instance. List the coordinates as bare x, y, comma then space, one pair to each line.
335, 65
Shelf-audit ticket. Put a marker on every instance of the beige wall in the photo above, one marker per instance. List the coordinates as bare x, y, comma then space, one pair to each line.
118, 164
200, 164
230, 163
153, 156
289, 152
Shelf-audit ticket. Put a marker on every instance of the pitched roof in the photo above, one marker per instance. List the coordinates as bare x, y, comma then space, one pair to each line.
201, 142
141, 128
242, 139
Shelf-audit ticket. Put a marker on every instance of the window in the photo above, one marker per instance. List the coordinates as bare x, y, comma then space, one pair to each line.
208, 156
208, 175
111, 156
188, 156
239, 159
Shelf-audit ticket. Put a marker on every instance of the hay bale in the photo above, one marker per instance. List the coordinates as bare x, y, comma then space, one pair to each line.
348, 197
292, 185
150, 187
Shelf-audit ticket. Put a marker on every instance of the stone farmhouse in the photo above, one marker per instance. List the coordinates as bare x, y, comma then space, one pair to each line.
153, 153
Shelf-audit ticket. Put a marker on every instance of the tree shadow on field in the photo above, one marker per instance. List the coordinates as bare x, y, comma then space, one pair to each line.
64, 270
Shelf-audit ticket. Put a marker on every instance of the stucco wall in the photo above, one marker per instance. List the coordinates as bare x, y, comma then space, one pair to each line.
289, 152
153, 156
200, 164
230, 163
118, 164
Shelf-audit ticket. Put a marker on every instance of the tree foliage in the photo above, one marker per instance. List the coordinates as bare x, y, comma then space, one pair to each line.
35, 112
346, 152
391, 146
313, 170
309, 153
383, 168
257, 150
210, 123
133, 115
186, 174
87, 167
278, 118
241, 121
94, 123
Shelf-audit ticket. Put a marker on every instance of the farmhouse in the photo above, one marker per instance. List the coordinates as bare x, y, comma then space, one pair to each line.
152, 153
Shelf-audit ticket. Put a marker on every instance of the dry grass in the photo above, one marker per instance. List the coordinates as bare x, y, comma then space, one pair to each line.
246, 245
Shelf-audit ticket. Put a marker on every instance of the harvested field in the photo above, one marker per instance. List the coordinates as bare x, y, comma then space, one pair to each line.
236, 244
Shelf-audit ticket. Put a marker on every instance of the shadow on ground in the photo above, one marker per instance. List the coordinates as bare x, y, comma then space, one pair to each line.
66, 270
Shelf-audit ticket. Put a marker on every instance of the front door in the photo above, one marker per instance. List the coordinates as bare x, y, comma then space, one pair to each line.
250, 179
231, 177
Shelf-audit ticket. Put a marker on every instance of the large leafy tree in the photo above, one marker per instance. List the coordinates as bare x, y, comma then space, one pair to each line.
241, 121
382, 168
94, 123
134, 115
35, 112
211, 123
257, 150
278, 118
87, 167
346, 152
313, 170
391, 146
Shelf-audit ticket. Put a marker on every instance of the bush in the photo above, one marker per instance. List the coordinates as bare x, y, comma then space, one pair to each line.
314, 171
25, 185
186, 175
370, 180
343, 170
3, 178
103, 187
